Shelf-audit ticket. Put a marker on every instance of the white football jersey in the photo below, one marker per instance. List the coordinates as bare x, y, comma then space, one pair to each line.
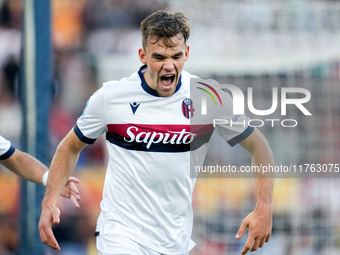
6, 149
148, 186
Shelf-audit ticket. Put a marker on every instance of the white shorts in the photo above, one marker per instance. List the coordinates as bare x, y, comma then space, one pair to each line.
110, 244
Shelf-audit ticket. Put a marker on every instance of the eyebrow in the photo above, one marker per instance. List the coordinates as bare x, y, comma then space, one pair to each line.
157, 55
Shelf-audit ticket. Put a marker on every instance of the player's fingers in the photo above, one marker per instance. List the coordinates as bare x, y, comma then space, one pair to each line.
47, 237
242, 229
51, 241
77, 197
255, 244
73, 179
74, 189
70, 190
268, 237
248, 245
262, 241
46, 234
74, 201
55, 216
42, 234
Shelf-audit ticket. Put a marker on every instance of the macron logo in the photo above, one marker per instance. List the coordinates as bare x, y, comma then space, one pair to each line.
134, 106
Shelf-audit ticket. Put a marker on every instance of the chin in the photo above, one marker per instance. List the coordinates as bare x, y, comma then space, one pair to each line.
166, 93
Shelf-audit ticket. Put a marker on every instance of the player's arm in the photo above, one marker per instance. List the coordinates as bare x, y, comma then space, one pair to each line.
62, 166
259, 221
25, 166
33, 170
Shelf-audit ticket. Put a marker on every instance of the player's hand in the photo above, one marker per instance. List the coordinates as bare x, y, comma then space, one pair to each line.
49, 215
259, 223
70, 191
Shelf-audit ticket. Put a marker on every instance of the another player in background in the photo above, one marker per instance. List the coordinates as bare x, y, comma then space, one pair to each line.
146, 206
33, 170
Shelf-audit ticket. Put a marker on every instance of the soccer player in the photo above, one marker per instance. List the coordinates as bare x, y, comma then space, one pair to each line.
146, 206
33, 170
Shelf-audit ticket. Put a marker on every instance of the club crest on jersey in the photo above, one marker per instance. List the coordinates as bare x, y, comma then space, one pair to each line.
188, 108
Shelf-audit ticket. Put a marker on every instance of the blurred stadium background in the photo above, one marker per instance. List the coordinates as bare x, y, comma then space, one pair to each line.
259, 44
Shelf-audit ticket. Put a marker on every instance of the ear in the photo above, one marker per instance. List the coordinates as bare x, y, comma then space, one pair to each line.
142, 55
186, 54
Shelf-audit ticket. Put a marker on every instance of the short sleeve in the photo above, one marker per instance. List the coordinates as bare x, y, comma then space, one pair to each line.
6, 149
233, 128
92, 124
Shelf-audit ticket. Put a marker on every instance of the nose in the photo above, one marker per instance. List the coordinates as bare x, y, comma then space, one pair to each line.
168, 65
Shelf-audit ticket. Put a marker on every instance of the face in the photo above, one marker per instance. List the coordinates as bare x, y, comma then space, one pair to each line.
164, 64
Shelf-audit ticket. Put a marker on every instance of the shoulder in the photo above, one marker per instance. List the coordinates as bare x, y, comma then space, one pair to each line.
186, 77
126, 81
118, 89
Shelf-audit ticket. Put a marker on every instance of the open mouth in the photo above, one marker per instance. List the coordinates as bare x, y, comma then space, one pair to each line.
167, 79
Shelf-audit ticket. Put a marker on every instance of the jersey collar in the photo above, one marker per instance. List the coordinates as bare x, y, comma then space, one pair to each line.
150, 90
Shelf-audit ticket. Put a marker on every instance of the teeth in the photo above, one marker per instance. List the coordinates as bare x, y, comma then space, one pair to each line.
168, 75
